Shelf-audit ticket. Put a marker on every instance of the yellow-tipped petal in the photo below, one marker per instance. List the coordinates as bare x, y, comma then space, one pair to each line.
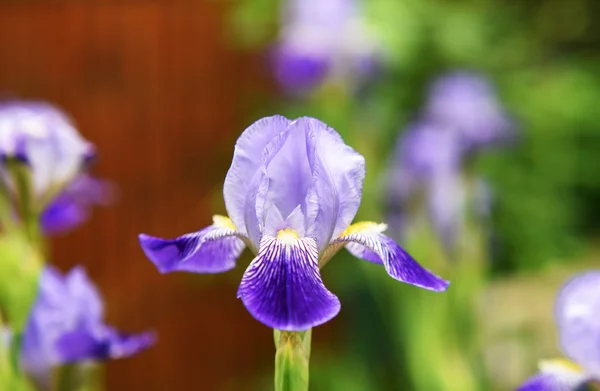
364, 226
559, 364
223, 222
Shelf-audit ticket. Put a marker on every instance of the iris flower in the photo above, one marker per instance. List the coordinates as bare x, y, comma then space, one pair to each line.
58, 159
291, 193
461, 117
428, 163
66, 326
467, 104
322, 39
577, 310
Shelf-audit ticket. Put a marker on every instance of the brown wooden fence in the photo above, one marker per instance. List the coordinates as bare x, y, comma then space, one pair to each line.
157, 87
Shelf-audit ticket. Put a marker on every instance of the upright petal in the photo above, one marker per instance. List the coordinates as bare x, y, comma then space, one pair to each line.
555, 375
282, 287
338, 176
85, 298
289, 170
576, 311
247, 159
378, 248
213, 249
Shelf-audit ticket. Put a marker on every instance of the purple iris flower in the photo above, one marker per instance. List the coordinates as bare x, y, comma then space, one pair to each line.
71, 207
322, 39
467, 103
462, 116
66, 326
427, 163
46, 139
576, 312
292, 192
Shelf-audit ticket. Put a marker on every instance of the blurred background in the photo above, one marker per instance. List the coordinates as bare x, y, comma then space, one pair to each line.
480, 124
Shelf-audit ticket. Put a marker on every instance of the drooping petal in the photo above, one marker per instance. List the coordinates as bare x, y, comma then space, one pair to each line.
102, 344
576, 311
397, 262
61, 215
555, 375
72, 206
213, 249
282, 287
247, 160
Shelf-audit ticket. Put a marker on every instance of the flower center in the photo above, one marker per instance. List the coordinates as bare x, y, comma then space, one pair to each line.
287, 235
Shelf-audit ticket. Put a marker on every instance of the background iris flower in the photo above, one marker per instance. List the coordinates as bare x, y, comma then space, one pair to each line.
576, 314
292, 192
57, 160
66, 326
461, 117
322, 40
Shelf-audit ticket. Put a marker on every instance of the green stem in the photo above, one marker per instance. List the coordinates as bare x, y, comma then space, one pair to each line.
291, 360
66, 378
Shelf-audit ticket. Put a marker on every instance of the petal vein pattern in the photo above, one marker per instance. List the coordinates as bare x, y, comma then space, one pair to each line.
367, 242
213, 249
282, 287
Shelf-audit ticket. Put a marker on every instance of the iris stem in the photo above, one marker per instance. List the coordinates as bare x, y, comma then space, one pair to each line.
28, 210
291, 360
66, 378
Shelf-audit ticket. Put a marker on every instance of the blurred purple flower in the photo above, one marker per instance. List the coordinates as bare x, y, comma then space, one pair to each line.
461, 117
292, 192
427, 163
576, 313
71, 207
467, 104
321, 39
46, 139
66, 326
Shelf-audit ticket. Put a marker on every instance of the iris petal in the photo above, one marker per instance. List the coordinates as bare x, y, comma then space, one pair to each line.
213, 249
576, 311
247, 160
372, 244
282, 287
555, 375
109, 344
344, 167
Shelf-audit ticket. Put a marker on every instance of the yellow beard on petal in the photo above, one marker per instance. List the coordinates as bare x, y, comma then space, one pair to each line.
365, 226
559, 364
287, 236
223, 222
